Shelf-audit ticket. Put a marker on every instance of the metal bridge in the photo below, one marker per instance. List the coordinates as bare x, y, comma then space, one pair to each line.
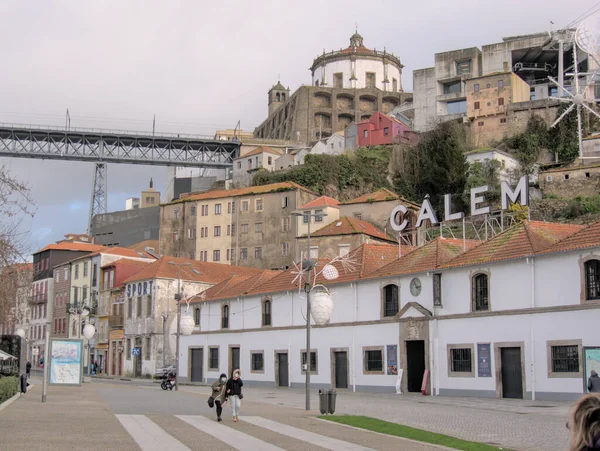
114, 146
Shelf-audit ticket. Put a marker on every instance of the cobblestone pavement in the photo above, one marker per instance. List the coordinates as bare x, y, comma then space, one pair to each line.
514, 424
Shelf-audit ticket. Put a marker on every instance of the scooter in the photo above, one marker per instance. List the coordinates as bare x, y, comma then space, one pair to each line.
168, 381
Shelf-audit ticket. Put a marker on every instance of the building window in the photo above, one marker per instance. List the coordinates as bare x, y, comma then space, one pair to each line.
77, 271
284, 202
216, 255
480, 292
476, 87
228, 207
217, 209
244, 254
191, 234
239, 165
357, 216
197, 316
147, 350
176, 213
370, 81
373, 360
338, 80
313, 362
566, 176
503, 120
85, 269
258, 253
437, 290
365, 133
259, 204
217, 231
258, 227
269, 161
244, 228
306, 217
592, 279
390, 300
175, 236
286, 224
453, 87
257, 364
129, 307
213, 359
319, 216
228, 230
244, 206
564, 358
463, 67
228, 255
500, 84
461, 360
477, 105
386, 131
149, 305
343, 249
500, 101
128, 349
225, 317
266, 313
480, 124
285, 249
193, 211
138, 307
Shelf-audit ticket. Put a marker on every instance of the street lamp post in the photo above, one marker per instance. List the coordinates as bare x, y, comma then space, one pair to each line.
178, 298
307, 289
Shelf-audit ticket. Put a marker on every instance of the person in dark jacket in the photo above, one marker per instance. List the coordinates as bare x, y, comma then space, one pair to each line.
594, 382
28, 369
218, 394
234, 391
585, 424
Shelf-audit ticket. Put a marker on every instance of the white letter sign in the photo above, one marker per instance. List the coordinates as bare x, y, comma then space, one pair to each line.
398, 227
521, 190
448, 208
475, 199
426, 212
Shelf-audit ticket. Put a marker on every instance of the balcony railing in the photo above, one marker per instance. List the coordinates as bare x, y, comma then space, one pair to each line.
116, 321
76, 306
39, 298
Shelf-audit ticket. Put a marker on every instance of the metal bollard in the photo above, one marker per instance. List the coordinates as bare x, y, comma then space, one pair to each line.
323, 402
331, 398
23, 381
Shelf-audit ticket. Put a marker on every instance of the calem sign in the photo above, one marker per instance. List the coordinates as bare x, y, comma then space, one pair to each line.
426, 212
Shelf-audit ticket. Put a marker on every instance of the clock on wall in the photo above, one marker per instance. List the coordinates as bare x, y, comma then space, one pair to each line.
415, 286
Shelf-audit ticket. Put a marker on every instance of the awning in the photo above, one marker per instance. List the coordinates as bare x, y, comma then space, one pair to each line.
6, 356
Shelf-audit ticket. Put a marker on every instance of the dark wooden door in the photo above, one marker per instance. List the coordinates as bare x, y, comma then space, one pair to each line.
282, 364
235, 360
512, 376
415, 364
197, 365
113, 358
341, 369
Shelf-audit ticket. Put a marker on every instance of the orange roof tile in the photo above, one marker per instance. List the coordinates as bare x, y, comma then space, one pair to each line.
521, 240
323, 201
263, 189
128, 262
144, 244
208, 272
235, 286
259, 150
426, 258
588, 237
71, 246
351, 226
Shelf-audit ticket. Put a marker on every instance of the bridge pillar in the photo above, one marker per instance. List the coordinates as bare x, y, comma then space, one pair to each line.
98, 203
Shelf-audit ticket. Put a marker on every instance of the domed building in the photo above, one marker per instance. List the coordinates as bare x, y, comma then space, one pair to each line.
347, 86
358, 67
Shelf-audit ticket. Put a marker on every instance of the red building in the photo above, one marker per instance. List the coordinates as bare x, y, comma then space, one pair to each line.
382, 129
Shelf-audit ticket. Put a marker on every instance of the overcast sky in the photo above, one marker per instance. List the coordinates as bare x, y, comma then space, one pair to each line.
200, 66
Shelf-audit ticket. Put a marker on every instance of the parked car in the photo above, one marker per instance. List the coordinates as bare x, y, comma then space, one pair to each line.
165, 370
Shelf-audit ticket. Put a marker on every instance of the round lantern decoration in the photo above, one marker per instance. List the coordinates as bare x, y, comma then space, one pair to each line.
187, 324
321, 305
330, 272
89, 331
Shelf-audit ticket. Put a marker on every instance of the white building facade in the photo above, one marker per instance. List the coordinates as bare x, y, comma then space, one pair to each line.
489, 322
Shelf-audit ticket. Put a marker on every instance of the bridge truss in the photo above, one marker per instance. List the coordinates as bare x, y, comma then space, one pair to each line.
114, 146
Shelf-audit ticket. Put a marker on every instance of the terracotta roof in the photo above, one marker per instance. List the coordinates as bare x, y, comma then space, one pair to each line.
144, 244
235, 286
380, 195
218, 194
521, 240
71, 246
128, 262
208, 272
323, 201
351, 226
259, 150
583, 239
426, 258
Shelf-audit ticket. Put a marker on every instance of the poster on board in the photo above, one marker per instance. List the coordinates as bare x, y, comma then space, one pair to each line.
591, 360
392, 360
484, 360
66, 362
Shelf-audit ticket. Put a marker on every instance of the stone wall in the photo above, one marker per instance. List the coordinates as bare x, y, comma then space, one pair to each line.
572, 182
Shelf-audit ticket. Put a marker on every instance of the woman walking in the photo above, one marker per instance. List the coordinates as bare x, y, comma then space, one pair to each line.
218, 394
234, 391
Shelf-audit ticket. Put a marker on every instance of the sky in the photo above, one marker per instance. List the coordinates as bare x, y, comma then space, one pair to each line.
200, 66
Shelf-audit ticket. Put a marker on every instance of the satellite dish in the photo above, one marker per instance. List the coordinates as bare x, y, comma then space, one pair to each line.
587, 35
330, 272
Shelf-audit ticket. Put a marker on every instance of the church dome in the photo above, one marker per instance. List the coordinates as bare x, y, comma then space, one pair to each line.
356, 40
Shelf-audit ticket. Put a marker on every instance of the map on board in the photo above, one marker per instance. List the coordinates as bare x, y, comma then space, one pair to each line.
65, 362
592, 362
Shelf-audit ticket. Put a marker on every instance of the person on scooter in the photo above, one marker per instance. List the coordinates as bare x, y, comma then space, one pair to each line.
219, 388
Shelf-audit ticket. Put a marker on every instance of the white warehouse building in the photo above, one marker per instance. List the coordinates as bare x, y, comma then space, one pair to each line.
516, 316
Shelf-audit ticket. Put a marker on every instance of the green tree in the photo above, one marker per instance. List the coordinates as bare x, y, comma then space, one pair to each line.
563, 137
480, 174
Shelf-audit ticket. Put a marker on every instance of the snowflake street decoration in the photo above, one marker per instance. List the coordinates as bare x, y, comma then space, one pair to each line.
328, 271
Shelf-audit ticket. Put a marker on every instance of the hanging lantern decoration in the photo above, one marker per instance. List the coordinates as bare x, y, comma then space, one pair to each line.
89, 331
321, 305
187, 324
330, 272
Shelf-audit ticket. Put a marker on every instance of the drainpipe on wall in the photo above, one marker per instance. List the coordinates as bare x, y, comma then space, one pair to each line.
353, 334
532, 332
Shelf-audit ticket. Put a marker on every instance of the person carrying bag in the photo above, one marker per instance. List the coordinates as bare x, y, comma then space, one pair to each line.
234, 391
218, 396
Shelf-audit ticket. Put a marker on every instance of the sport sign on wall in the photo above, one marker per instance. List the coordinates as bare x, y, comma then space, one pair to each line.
139, 289
426, 212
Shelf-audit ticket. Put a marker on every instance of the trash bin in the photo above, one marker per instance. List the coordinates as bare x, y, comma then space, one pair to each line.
323, 401
331, 396
23, 383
